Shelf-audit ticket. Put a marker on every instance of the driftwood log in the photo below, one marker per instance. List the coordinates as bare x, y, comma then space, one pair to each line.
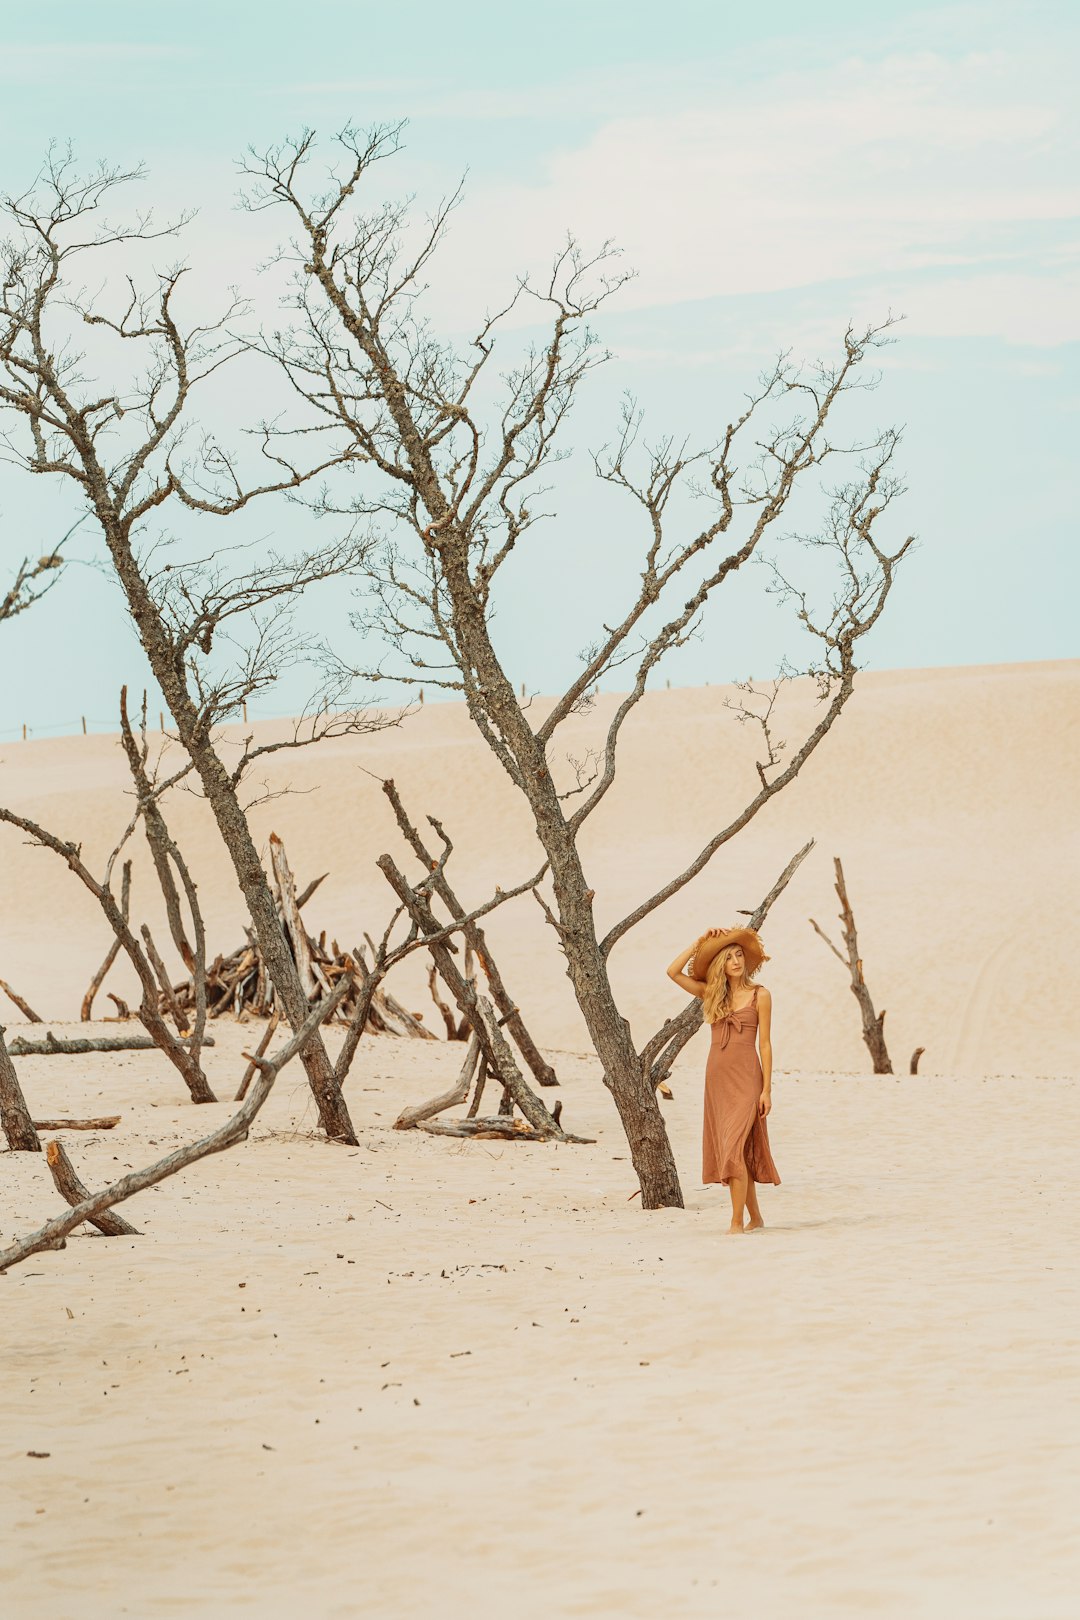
18, 1127
70, 1187
496, 1128
459, 1091
107, 1122
873, 1023
54, 1046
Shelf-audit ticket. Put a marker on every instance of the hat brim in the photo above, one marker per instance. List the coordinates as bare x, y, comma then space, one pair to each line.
709, 949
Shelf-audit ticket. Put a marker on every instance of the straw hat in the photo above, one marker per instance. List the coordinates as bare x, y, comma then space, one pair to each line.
708, 949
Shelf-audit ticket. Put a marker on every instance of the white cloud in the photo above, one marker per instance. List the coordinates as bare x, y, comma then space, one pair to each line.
869, 169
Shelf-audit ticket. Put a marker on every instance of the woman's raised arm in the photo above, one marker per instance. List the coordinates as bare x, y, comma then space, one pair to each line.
675, 972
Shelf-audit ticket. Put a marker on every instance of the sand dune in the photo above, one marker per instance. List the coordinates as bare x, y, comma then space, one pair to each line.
949, 794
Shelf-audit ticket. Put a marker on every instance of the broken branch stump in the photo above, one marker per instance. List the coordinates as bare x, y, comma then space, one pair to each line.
27, 1011
111, 954
70, 1187
260, 1051
15, 1120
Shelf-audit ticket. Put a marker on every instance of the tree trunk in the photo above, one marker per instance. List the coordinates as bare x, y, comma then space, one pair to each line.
14, 1114
624, 1073
167, 665
236, 835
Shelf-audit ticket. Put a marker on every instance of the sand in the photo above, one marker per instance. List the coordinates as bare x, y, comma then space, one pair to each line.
432, 1379
426, 1378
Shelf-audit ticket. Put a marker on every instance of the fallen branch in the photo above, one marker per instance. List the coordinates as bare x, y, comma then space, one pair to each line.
54, 1232
475, 1007
107, 1122
52, 1046
498, 1127
409, 1117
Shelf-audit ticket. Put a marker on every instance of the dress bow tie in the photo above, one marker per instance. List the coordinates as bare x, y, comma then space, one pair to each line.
733, 1021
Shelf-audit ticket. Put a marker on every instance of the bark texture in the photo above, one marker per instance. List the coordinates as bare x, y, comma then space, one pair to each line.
14, 1114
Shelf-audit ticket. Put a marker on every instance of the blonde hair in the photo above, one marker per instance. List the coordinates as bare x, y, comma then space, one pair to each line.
716, 1002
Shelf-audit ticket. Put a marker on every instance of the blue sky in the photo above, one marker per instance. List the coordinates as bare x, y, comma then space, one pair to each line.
768, 172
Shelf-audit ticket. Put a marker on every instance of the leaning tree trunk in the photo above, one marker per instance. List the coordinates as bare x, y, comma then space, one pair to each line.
167, 664
623, 1072
15, 1118
236, 835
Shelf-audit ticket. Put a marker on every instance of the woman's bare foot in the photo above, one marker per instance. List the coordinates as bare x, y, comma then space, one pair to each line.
755, 1225
732, 1229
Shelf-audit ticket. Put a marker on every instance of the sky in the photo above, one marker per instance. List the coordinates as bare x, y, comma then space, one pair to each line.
768, 174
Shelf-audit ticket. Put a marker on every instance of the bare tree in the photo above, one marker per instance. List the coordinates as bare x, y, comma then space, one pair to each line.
456, 483
873, 1024
113, 426
181, 1052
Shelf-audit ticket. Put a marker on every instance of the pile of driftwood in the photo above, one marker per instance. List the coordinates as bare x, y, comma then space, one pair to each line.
239, 984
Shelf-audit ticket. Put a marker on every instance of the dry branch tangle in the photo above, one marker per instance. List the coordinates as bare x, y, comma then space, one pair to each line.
54, 1233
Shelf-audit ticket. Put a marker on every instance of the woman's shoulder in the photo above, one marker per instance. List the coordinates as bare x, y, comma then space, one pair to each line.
763, 993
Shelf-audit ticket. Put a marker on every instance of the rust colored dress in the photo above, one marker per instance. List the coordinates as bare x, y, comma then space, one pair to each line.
734, 1082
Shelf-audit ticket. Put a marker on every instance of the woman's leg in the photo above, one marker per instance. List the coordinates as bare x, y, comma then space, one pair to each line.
752, 1207
737, 1189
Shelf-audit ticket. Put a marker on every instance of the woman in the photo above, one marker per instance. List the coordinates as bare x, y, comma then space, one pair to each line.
719, 968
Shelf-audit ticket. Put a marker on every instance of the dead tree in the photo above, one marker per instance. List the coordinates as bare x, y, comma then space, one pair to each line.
459, 483
112, 428
54, 1233
182, 1053
489, 1036
14, 1114
915, 1056
659, 1054
476, 941
873, 1024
